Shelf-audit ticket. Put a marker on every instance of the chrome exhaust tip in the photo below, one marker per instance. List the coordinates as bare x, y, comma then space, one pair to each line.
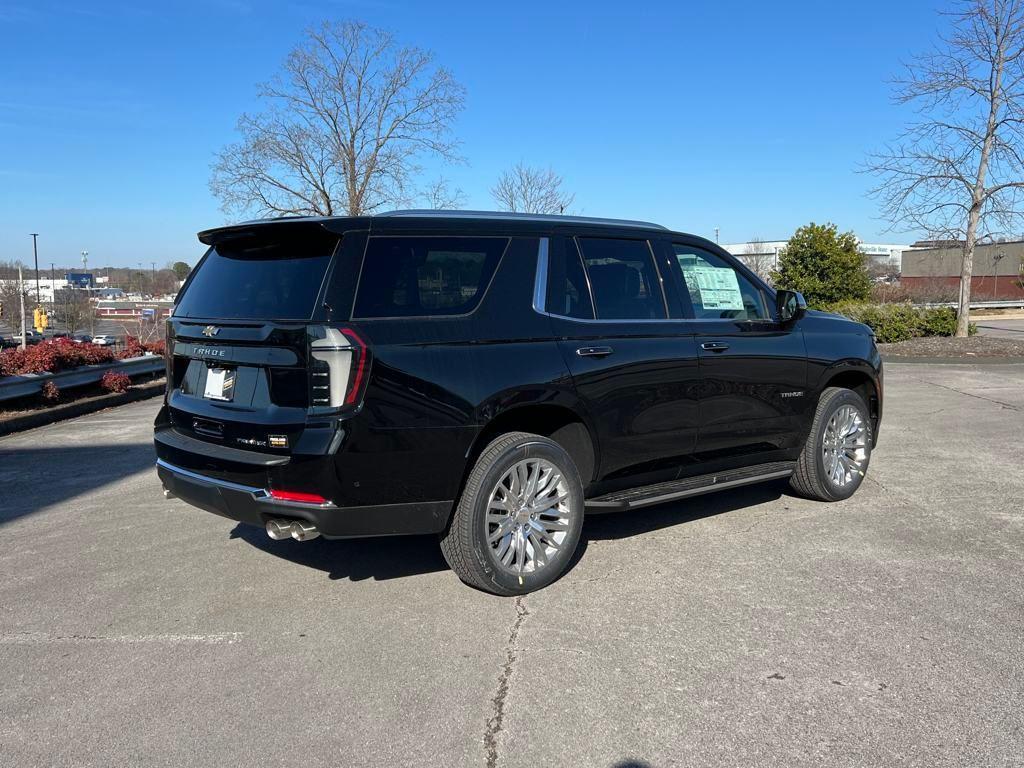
169, 495
279, 530
303, 531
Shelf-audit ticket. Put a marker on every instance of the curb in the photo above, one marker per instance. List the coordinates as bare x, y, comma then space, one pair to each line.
72, 410
894, 359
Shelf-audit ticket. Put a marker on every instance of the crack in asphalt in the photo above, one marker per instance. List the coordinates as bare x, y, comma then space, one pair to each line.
968, 394
504, 679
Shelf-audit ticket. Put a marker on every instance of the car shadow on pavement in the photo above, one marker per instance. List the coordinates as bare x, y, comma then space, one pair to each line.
32, 479
621, 525
379, 558
394, 557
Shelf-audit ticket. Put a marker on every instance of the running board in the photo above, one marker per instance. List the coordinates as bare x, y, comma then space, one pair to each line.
644, 496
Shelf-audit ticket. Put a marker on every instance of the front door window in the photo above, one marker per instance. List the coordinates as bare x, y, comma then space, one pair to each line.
717, 290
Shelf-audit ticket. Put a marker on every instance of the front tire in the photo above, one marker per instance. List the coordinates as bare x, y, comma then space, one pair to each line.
835, 457
519, 519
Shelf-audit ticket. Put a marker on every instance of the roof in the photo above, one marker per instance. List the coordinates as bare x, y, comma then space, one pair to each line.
548, 218
430, 218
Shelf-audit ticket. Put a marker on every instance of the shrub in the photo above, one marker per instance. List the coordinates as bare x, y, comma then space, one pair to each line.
158, 347
899, 322
51, 392
132, 348
824, 265
51, 356
114, 381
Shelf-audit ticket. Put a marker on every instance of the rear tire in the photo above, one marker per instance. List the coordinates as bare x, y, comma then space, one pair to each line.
835, 457
519, 519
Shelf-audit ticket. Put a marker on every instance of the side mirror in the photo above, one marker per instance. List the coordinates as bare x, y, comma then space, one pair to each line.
789, 306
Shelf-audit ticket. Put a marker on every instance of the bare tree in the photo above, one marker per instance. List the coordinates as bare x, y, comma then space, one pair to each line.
74, 308
958, 172
524, 189
10, 300
343, 128
759, 258
440, 195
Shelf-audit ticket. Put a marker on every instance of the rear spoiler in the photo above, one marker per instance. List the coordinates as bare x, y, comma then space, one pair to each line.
282, 225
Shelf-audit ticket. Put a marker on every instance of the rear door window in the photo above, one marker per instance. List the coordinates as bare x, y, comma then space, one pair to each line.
425, 276
568, 294
251, 279
623, 279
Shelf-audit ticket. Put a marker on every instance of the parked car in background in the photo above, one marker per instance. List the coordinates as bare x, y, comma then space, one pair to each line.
6, 343
104, 340
82, 338
491, 378
31, 337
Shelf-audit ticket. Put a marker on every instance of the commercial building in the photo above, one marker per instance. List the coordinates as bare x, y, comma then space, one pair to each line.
763, 255
934, 270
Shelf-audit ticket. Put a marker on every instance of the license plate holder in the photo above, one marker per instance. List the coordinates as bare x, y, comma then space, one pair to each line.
220, 384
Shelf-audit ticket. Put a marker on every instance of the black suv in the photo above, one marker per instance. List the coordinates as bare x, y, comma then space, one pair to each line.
491, 377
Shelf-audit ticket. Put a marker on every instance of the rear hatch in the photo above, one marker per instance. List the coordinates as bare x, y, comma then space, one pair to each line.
254, 352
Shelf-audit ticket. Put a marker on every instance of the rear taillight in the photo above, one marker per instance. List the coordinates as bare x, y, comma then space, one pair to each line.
338, 367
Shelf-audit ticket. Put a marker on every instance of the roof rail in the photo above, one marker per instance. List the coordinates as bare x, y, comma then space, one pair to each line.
545, 217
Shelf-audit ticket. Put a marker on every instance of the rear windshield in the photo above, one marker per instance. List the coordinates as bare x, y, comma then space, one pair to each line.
259, 280
424, 276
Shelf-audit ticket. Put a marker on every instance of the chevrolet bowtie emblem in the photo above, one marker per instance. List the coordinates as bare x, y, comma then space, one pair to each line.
211, 330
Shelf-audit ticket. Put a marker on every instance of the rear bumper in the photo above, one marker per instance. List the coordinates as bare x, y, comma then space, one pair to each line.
254, 506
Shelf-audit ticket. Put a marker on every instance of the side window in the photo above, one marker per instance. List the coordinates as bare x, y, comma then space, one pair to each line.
623, 279
717, 291
423, 276
568, 294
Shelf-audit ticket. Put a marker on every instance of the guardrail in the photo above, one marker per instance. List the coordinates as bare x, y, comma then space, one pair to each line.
12, 387
1015, 304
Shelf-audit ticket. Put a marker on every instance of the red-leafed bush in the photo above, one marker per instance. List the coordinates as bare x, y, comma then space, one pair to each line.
114, 381
51, 392
135, 348
158, 347
132, 348
52, 356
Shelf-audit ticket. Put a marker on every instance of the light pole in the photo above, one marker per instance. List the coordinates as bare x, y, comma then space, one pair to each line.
35, 254
716, 234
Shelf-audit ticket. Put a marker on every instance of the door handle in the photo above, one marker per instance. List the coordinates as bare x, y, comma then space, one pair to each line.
594, 351
715, 346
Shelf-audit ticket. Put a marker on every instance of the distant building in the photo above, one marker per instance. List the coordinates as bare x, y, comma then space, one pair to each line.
47, 288
763, 255
998, 272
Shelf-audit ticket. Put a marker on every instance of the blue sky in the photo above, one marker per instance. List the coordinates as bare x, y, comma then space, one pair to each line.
750, 117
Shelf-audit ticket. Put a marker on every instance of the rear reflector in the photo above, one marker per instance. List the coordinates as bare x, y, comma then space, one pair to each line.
306, 498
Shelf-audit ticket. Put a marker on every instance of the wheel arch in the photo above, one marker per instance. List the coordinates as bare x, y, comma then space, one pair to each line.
861, 378
559, 422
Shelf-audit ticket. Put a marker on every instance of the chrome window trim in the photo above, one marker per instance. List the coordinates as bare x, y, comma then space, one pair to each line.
540, 280
540, 290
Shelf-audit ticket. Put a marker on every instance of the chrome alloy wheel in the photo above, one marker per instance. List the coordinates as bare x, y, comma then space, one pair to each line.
844, 447
528, 516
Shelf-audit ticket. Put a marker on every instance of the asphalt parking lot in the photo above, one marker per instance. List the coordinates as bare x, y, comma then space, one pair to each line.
746, 628
1001, 327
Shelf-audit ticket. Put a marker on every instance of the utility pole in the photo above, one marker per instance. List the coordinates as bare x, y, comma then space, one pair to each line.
21, 295
35, 253
716, 234
153, 263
